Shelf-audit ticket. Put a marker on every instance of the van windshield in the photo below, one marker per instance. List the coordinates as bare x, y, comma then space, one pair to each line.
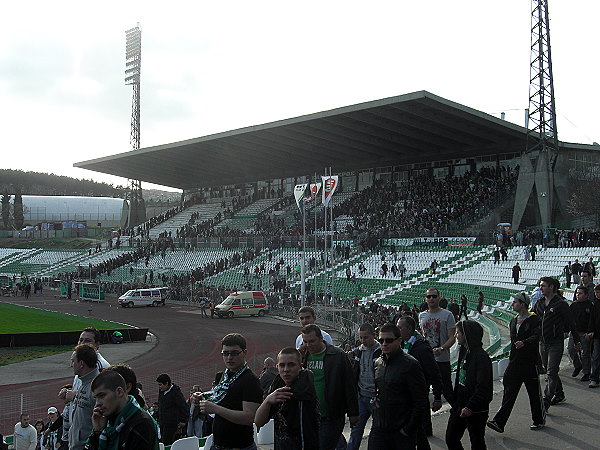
228, 301
128, 293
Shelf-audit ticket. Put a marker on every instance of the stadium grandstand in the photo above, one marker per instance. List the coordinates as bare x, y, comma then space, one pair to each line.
425, 199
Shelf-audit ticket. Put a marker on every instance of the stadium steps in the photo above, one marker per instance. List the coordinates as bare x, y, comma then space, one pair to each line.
12, 264
447, 266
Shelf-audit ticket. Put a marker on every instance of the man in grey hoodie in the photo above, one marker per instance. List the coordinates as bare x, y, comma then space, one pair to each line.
84, 361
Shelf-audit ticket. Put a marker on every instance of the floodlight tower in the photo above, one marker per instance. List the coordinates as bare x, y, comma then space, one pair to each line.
133, 65
541, 180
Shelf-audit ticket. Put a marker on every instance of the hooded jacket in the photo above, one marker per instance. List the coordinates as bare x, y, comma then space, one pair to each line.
473, 386
297, 419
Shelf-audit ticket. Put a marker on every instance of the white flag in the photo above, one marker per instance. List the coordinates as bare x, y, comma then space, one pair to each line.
329, 186
299, 194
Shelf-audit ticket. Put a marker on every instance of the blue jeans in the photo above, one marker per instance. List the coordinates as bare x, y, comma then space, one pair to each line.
330, 431
365, 409
552, 353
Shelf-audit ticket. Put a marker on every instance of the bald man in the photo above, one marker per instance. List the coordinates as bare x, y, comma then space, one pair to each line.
268, 375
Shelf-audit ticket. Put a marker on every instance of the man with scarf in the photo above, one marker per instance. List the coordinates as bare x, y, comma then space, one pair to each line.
416, 346
473, 388
293, 404
235, 398
118, 421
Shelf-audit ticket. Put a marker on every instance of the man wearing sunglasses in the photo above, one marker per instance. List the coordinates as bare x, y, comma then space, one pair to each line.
335, 385
401, 395
235, 398
438, 327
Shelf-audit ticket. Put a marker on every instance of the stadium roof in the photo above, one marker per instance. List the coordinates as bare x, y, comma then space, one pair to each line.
406, 129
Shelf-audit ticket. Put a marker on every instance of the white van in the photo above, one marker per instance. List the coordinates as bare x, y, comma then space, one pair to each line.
143, 297
243, 303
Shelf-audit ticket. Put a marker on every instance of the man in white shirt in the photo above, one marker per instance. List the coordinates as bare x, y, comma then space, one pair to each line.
308, 316
25, 435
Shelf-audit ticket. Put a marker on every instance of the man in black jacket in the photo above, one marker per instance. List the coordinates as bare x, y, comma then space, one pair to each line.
473, 388
522, 367
172, 411
335, 385
401, 398
556, 321
583, 312
117, 417
416, 346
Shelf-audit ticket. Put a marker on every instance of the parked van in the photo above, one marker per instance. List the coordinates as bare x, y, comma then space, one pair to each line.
243, 303
144, 297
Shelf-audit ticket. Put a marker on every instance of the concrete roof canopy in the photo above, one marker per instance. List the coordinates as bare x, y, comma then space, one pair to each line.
410, 128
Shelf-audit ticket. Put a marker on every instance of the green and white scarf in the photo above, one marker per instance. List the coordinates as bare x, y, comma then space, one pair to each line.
408, 344
109, 438
219, 392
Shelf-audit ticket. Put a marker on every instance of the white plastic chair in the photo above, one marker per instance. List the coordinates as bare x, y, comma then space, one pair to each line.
188, 443
208, 443
266, 434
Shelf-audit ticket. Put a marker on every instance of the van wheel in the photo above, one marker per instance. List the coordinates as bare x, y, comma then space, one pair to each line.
230, 314
261, 313
155, 303
130, 304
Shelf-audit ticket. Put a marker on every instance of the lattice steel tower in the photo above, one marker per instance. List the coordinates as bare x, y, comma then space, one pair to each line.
133, 65
541, 181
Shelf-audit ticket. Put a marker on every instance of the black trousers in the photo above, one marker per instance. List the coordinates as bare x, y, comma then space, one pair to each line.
167, 433
445, 372
457, 426
514, 377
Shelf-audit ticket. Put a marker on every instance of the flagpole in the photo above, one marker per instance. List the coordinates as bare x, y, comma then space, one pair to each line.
303, 260
315, 232
331, 280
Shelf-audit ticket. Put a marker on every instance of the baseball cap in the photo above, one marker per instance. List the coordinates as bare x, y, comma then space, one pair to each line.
522, 297
52, 410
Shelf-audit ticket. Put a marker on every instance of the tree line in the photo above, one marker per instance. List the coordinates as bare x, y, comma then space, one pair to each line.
36, 183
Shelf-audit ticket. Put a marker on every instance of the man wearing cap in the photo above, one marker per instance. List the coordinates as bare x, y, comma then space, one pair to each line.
522, 366
54, 429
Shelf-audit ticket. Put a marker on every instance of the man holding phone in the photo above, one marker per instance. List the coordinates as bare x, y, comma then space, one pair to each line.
117, 419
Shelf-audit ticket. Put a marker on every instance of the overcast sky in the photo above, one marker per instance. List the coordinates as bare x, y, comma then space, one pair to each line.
214, 66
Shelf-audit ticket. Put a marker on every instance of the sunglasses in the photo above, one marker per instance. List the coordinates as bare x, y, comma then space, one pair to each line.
432, 296
386, 340
231, 353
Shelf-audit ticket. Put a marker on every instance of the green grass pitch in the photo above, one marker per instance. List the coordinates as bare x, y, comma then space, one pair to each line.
21, 319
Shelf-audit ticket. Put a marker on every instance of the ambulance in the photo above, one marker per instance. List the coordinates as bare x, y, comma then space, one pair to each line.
242, 304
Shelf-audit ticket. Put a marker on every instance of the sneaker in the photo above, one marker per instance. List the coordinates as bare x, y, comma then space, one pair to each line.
557, 399
537, 426
494, 426
585, 378
576, 372
594, 384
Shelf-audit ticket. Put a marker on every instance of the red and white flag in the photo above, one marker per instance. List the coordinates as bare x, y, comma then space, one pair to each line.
329, 186
314, 190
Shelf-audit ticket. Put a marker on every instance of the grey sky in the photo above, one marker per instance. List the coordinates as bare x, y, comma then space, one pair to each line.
214, 66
